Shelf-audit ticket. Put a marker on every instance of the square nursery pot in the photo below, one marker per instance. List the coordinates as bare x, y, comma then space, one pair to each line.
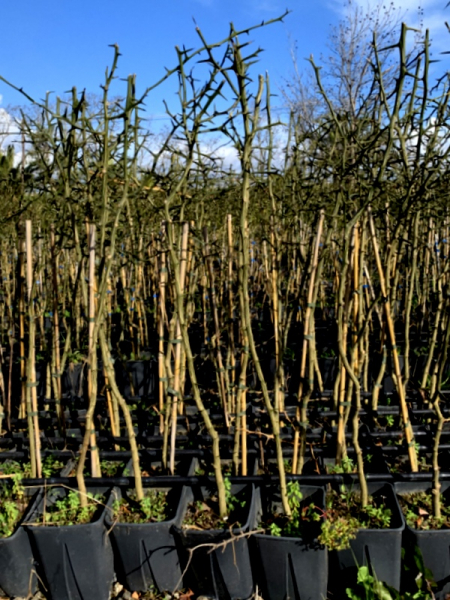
204, 465
151, 465
17, 572
380, 549
73, 379
287, 567
226, 571
74, 561
434, 545
137, 377
145, 553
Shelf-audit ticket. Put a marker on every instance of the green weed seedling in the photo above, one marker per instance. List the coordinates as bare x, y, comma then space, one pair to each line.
152, 508
368, 587
12, 506
204, 514
76, 356
346, 466
418, 511
68, 510
111, 467
420, 583
328, 353
233, 503
301, 517
344, 516
12, 467
337, 534
51, 466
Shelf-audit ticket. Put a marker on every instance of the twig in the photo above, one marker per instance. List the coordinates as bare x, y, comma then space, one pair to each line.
214, 547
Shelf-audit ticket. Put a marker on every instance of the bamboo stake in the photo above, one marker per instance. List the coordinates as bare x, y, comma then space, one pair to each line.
216, 342
113, 416
22, 359
356, 249
410, 294
56, 337
161, 320
11, 332
231, 346
31, 367
301, 413
341, 451
278, 400
126, 413
176, 379
237, 399
387, 310
95, 460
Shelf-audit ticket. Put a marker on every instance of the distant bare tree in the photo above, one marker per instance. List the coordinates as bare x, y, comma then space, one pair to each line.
347, 69
347, 73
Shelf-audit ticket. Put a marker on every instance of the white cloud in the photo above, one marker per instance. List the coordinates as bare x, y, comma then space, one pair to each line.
9, 134
228, 155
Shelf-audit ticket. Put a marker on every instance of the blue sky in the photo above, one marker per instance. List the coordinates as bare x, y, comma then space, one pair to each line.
55, 44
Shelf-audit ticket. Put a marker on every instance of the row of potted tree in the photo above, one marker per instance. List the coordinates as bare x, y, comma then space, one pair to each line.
348, 232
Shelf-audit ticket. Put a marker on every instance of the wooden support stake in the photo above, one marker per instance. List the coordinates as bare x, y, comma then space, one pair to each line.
95, 461
31, 367
176, 376
401, 392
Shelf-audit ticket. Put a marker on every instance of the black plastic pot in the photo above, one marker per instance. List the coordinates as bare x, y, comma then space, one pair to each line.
41, 378
17, 455
388, 381
224, 572
204, 464
380, 549
74, 561
17, 574
376, 464
73, 379
151, 465
137, 377
327, 368
289, 568
433, 544
145, 553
